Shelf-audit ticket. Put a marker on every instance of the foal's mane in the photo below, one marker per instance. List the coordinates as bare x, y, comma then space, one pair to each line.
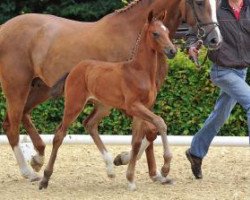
136, 46
137, 42
129, 6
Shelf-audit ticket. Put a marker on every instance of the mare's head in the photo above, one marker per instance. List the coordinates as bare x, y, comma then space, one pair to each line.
202, 14
158, 37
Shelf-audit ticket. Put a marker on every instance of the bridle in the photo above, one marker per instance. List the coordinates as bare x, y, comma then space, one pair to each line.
201, 34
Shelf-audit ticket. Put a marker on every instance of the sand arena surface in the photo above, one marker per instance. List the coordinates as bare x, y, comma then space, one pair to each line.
80, 174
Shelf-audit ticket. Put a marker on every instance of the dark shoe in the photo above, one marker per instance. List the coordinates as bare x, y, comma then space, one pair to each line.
195, 164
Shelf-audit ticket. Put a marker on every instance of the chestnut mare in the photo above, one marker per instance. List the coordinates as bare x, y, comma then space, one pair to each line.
36, 50
129, 86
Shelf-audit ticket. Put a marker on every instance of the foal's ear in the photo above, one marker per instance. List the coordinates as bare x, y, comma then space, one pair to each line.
162, 16
150, 16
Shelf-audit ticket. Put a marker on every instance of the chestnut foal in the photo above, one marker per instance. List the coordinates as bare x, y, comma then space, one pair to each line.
129, 86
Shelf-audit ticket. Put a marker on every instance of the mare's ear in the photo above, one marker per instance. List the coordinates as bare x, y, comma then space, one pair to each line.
150, 16
162, 16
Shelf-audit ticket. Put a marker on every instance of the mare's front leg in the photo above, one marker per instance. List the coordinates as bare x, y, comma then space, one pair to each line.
141, 111
16, 93
91, 125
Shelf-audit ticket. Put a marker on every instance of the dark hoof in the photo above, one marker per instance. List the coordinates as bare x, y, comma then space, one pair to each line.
195, 164
118, 160
122, 159
43, 184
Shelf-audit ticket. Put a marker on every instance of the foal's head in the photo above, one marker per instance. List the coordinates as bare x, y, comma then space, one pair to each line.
158, 37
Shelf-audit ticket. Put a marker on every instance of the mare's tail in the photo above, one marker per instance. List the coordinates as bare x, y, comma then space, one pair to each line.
58, 89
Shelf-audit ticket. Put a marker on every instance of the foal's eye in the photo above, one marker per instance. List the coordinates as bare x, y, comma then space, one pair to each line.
200, 2
156, 34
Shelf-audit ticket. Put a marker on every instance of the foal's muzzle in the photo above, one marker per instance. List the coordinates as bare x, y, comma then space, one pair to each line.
170, 52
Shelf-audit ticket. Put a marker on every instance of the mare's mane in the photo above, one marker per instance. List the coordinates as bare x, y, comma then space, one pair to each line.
129, 6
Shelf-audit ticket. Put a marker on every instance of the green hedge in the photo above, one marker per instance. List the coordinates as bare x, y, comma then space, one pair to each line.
185, 101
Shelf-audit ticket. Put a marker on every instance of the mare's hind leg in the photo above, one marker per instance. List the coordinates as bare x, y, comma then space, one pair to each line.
16, 93
91, 125
38, 94
74, 103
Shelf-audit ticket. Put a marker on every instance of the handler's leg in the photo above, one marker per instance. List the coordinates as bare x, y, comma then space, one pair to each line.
230, 82
203, 138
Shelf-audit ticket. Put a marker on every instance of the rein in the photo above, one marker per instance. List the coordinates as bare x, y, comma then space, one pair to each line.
200, 26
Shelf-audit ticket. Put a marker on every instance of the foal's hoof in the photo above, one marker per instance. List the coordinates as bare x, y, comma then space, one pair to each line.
35, 164
165, 171
111, 175
34, 178
121, 159
131, 186
43, 184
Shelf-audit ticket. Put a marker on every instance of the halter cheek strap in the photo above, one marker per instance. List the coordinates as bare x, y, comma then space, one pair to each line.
201, 34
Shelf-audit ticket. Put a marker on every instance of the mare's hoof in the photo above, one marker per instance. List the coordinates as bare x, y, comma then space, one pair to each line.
118, 160
35, 164
121, 159
43, 184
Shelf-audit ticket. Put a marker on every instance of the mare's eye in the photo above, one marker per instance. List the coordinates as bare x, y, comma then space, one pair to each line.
200, 2
156, 35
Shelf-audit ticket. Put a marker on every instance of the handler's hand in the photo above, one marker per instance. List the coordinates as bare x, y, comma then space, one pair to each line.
193, 53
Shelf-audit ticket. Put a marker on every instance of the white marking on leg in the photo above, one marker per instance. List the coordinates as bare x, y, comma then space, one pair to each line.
25, 170
131, 186
144, 145
159, 178
109, 164
214, 18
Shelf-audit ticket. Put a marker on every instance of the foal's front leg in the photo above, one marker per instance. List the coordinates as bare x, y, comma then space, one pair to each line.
144, 113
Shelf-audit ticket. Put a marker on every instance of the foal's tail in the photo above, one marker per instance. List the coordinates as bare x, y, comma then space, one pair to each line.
57, 90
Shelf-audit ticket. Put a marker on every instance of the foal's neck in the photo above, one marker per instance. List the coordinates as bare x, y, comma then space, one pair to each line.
145, 58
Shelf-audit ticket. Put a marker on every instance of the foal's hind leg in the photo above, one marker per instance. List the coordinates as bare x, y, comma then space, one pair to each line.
91, 125
136, 143
37, 95
73, 106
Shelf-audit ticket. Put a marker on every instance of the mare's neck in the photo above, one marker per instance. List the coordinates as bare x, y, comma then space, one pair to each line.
136, 13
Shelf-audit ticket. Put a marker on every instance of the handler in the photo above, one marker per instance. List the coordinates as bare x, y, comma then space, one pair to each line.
228, 72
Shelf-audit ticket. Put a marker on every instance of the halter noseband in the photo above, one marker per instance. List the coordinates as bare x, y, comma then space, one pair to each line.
200, 26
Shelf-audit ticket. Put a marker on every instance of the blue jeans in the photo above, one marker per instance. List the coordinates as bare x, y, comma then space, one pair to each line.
233, 89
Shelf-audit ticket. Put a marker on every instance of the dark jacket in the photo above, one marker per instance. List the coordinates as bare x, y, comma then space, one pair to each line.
235, 47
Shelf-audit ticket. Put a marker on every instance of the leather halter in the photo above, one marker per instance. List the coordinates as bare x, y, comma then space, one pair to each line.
201, 34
